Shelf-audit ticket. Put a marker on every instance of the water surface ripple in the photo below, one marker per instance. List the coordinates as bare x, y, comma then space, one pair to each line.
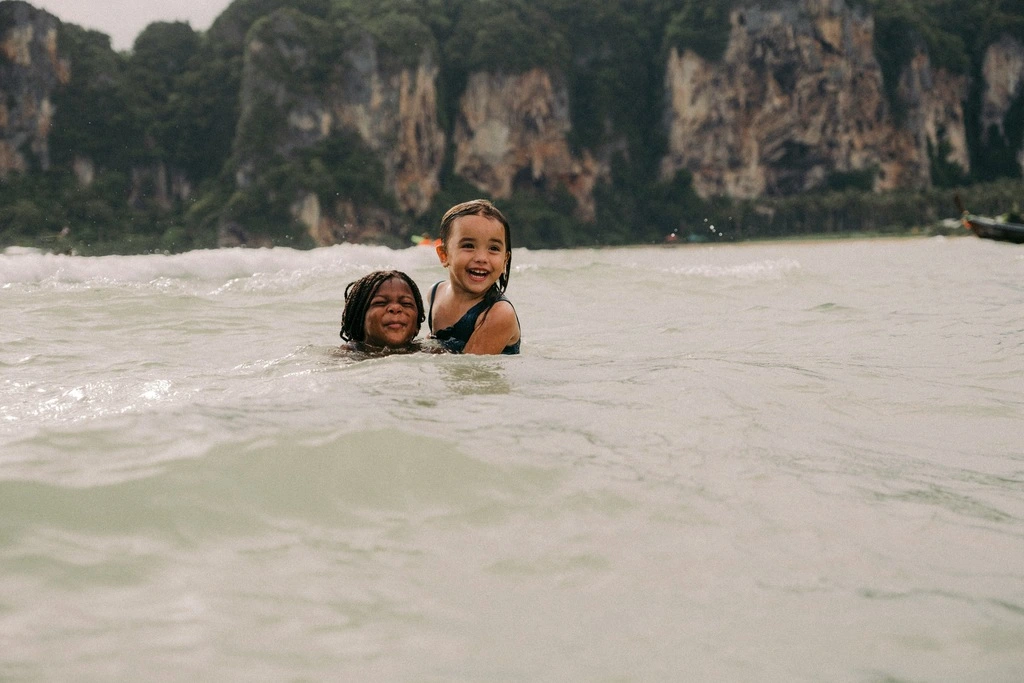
762, 462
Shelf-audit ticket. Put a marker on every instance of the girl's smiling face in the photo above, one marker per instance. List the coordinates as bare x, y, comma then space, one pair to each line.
475, 253
392, 317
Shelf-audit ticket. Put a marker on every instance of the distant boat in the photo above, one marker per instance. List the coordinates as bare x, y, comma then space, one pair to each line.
425, 241
990, 228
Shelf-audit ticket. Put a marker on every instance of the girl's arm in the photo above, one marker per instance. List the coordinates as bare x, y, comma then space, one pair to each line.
498, 329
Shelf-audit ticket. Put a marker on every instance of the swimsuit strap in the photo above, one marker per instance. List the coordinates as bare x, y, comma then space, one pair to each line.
455, 337
430, 310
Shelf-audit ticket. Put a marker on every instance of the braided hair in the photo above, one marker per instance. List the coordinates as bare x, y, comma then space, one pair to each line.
481, 207
358, 295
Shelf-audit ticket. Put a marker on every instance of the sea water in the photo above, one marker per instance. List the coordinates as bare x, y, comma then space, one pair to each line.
787, 461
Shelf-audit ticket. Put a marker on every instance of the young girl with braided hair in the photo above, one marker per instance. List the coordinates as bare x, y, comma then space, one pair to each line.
469, 313
383, 314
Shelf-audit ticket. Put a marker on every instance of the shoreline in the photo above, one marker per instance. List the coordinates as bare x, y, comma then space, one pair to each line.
806, 238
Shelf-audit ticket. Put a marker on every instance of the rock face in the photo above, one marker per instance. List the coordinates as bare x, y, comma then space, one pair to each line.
393, 112
796, 103
935, 115
513, 130
1003, 74
799, 97
30, 71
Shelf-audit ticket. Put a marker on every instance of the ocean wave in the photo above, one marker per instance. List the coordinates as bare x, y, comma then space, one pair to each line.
24, 266
287, 269
339, 475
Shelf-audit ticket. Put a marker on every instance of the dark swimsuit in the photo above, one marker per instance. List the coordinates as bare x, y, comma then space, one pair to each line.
456, 337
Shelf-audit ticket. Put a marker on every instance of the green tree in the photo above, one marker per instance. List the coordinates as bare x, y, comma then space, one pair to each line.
201, 115
701, 26
508, 37
905, 27
339, 168
615, 82
402, 31
162, 53
93, 117
228, 33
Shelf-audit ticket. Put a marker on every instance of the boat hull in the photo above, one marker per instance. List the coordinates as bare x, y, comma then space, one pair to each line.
995, 230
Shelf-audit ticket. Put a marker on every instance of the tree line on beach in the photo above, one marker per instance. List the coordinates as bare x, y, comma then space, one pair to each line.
172, 102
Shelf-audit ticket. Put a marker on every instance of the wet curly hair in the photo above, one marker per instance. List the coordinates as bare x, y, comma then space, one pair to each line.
358, 295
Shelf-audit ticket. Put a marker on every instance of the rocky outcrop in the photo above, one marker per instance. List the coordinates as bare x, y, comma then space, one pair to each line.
512, 130
798, 98
394, 112
30, 71
1003, 76
934, 119
281, 111
796, 103
347, 222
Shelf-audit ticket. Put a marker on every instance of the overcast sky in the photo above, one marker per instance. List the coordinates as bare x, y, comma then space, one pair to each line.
122, 20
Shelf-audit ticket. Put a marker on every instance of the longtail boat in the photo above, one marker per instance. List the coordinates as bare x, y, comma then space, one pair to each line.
990, 228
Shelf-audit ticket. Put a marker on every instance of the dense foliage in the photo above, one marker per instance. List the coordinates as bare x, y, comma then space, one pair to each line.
171, 107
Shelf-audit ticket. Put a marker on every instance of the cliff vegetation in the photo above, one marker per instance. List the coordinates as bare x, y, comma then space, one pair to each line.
591, 122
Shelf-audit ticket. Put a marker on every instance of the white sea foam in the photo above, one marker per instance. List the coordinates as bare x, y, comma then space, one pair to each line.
31, 266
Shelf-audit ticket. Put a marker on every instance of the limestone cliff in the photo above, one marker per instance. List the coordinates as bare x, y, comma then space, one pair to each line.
512, 129
1003, 75
799, 97
30, 71
348, 137
394, 112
